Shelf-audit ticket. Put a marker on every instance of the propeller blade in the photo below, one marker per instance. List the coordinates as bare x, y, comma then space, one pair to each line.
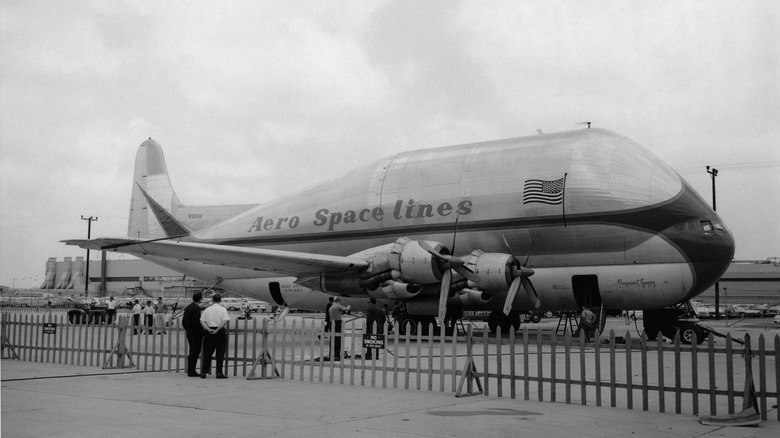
424, 245
510, 296
531, 291
467, 273
444, 293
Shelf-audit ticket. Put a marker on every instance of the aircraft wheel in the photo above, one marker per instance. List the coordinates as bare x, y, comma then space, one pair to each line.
493, 320
687, 333
408, 325
535, 317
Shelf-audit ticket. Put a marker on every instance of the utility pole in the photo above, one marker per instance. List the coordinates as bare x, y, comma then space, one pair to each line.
89, 236
713, 173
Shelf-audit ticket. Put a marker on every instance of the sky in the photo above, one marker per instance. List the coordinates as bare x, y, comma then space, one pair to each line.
252, 100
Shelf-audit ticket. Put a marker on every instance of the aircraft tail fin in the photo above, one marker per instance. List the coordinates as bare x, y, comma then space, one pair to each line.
153, 198
155, 210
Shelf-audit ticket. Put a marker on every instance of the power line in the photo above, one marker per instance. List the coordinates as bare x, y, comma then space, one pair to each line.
736, 166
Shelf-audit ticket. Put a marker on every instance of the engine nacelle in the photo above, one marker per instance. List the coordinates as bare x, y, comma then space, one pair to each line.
494, 269
404, 261
395, 290
471, 297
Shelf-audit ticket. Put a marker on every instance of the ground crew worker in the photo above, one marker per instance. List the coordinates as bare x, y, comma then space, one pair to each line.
587, 323
335, 312
375, 320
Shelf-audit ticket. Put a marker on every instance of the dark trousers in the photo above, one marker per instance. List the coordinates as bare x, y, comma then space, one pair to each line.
195, 339
218, 342
336, 353
110, 314
136, 323
149, 322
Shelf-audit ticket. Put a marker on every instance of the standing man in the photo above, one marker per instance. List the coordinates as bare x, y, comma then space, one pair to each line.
136, 317
159, 316
335, 312
191, 323
149, 317
327, 314
111, 313
375, 320
587, 323
213, 320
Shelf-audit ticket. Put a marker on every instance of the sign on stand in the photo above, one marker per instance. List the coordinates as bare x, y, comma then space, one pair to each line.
373, 341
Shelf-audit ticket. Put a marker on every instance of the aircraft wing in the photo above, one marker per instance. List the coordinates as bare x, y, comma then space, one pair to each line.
296, 264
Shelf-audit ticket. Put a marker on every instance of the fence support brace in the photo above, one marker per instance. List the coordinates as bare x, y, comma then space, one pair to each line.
469, 371
264, 358
120, 349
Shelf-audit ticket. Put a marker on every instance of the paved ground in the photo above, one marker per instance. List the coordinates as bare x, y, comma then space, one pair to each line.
40, 400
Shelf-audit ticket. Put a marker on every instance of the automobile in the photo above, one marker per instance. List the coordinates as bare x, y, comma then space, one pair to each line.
704, 311
237, 304
747, 311
257, 305
772, 310
776, 319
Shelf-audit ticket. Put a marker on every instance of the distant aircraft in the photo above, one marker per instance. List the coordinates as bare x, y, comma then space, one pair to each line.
585, 218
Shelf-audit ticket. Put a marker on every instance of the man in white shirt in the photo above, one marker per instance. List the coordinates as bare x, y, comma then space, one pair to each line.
136, 317
111, 313
214, 319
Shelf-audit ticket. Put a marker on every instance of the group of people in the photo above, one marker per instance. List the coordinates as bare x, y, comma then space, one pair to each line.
206, 331
376, 320
154, 315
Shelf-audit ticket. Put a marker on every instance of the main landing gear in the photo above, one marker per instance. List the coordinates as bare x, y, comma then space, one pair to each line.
509, 322
670, 320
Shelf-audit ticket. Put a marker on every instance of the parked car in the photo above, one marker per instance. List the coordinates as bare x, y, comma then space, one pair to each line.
747, 311
776, 319
704, 311
257, 305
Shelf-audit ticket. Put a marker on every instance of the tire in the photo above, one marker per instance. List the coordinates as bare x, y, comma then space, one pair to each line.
548, 314
535, 318
408, 325
687, 333
493, 321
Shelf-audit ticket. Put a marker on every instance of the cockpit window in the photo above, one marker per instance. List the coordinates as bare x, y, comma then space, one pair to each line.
719, 226
706, 226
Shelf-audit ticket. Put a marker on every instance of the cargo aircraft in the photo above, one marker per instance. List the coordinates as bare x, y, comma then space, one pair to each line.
560, 221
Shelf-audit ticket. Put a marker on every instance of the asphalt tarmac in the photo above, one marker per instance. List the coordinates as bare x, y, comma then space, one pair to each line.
43, 400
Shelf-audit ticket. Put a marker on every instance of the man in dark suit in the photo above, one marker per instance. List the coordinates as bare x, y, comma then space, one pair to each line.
191, 323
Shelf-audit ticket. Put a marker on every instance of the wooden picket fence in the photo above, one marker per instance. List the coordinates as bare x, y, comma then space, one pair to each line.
618, 371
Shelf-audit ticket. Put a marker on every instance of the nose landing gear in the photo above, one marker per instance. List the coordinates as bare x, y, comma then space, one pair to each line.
668, 321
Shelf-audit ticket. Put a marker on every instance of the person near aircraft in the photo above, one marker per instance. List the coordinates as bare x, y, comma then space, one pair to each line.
191, 323
335, 312
149, 317
136, 312
159, 316
397, 312
587, 324
111, 312
213, 320
327, 314
375, 321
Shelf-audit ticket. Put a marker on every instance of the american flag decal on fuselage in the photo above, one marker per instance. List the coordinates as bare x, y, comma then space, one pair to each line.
544, 192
